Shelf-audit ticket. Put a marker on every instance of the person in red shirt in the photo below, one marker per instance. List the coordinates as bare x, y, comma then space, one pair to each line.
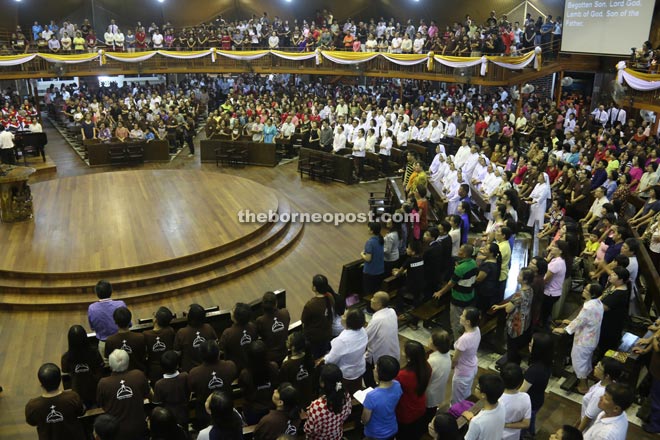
480, 127
414, 379
140, 39
225, 41
520, 172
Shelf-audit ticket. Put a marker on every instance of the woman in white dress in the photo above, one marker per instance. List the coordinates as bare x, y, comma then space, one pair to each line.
538, 201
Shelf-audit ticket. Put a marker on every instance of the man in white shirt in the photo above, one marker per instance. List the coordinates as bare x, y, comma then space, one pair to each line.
7, 147
436, 133
517, 405
273, 41
450, 130
617, 115
612, 423
339, 141
489, 423
157, 39
341, 109
383, 333
600, 116
424, 133
287, 129
359, 151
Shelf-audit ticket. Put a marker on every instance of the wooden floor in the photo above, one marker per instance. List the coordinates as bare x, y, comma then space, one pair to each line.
129, 218
31, 338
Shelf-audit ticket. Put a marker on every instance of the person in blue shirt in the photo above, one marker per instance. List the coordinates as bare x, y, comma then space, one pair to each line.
374, 260
270, 131
464, 211
599, 176
36, 31
379, 414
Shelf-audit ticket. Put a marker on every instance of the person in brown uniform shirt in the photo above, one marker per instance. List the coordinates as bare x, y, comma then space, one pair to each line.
122, 395
84, 364
212, 375
235, 340
257, 381
55, 413
284, 419
131, 342
188, 339
317, 316
298, 369
273, 327
158, 341
172, 391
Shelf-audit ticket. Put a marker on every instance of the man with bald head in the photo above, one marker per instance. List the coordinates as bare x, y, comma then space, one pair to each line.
383, 334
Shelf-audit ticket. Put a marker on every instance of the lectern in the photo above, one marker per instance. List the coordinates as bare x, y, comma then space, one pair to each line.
15, 195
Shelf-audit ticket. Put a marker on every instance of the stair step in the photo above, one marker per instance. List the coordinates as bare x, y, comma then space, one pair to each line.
11, 279
149, 277
58, 301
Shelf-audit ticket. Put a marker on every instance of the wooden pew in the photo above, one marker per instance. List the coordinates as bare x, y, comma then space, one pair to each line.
98, 153
388, 201
342, 167
649, 276
258, 153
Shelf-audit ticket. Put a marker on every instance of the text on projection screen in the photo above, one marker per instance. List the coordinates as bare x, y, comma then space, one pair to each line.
606, 26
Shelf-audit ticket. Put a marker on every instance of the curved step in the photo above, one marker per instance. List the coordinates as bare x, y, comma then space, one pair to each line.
54, 301
40, 277
153, 276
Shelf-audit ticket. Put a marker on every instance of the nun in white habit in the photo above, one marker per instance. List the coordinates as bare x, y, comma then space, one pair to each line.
480, 171
538, 201
453, 199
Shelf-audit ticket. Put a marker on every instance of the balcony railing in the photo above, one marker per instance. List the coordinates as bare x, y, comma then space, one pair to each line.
321, 63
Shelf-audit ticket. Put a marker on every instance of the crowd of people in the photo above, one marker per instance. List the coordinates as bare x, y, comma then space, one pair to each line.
565, 171
467, 37
133, 113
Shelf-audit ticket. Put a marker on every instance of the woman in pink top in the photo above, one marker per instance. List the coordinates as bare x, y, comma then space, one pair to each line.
464, 361
554, 278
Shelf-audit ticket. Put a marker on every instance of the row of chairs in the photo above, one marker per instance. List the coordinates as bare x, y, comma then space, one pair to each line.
129, 154
231, 155
316, 166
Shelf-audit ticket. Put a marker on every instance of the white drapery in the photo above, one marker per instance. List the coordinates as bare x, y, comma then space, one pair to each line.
639, 81
348, 60
15, 60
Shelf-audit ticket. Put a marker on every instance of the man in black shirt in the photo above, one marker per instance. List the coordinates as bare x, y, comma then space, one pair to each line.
437, 257
413, 269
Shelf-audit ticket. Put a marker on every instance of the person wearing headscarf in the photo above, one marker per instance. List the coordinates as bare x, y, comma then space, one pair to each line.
538, 200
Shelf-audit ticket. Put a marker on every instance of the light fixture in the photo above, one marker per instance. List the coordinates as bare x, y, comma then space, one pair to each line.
161, 1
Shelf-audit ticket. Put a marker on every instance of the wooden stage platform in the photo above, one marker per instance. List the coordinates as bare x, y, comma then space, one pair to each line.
38, 164
152, 233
